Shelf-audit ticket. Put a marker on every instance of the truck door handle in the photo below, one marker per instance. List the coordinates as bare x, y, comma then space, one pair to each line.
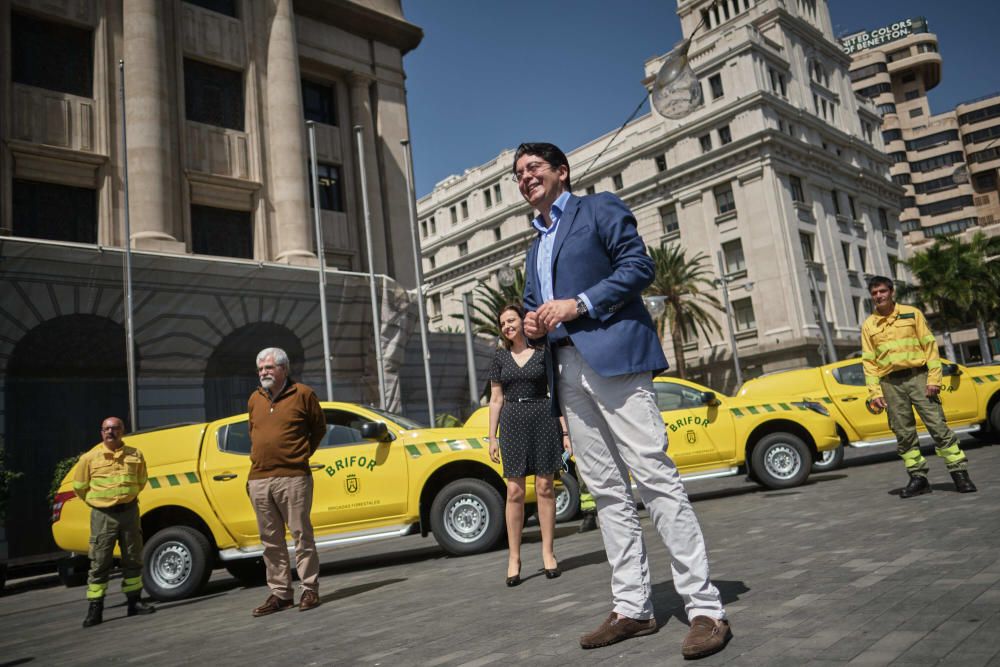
316, 466
225, 477
849, 398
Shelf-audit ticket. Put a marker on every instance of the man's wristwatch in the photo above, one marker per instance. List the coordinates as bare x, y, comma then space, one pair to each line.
581, 307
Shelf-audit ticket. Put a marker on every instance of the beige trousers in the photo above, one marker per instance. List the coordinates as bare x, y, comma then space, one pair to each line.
281, 501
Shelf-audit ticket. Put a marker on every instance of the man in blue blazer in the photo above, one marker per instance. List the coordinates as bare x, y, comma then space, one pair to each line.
585, 274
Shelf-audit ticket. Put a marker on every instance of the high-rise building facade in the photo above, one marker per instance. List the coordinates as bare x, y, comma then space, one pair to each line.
946, 162
781, 176
217, 94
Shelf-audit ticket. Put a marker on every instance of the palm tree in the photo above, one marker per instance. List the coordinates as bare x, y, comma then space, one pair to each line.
956, 280
488, 300
684, 282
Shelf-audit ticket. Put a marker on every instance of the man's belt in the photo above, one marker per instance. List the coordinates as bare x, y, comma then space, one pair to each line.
115, 509
904, 373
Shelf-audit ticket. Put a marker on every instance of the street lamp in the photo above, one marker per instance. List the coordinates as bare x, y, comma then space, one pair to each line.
506, 276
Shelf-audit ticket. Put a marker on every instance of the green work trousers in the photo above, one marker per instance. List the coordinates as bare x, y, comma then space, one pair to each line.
107, 526
903, 395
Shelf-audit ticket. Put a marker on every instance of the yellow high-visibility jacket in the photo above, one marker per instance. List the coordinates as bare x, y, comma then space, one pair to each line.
104, 478
895, 342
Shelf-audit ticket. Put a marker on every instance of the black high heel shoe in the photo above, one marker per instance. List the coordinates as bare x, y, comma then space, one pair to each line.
516, 579
552, 573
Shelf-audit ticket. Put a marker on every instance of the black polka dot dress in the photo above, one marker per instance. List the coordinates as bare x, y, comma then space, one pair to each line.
530, 437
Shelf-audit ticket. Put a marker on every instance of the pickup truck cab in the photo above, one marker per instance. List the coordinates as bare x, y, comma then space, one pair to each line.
970, 397
377, 476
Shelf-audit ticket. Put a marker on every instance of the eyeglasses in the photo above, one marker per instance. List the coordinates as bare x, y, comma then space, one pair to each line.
532, 168
266, 368
110, 429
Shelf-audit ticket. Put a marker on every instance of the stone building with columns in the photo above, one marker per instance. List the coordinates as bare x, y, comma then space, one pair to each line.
217, 94
782, 173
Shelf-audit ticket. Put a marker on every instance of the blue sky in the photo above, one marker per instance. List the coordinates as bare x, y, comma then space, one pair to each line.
490, 74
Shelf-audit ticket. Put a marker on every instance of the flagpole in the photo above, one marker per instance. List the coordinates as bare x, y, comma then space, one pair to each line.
322, 259
129, 327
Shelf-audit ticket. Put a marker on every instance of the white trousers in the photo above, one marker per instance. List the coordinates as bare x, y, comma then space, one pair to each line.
616, 429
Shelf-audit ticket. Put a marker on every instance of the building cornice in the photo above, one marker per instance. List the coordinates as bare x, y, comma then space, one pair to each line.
364, 21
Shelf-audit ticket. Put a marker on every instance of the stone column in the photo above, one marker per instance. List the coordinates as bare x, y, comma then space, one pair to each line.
286, 142
151, 162
361, 114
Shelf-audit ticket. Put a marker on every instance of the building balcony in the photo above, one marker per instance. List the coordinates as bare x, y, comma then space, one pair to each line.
51, 118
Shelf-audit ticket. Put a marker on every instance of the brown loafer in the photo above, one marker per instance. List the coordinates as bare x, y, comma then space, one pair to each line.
309, 600
618, 628
706, 636
271, 605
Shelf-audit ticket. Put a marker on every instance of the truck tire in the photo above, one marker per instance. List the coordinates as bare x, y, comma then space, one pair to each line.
829, 460
995, 418
249, 571
467, 517
781, 461
177, 562
568, 498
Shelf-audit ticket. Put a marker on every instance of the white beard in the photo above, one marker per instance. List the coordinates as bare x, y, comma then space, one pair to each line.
267, 383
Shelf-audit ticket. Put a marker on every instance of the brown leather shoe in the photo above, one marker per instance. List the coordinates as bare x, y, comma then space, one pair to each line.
309, 600
706, 636
618, 628
272, 604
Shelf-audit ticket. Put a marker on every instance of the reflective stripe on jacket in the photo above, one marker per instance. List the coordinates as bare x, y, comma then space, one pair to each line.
104, 478
898, 341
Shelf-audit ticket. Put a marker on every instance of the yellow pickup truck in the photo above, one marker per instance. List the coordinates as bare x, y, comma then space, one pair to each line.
377, 475
970, 397
712, 435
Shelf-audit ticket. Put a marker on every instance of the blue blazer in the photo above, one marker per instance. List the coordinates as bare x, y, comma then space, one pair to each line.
598, 251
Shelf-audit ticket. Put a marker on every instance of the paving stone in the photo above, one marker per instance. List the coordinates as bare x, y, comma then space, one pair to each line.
834, 572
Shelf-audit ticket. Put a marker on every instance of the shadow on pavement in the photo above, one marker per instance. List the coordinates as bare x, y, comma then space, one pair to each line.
668, 603
351, 591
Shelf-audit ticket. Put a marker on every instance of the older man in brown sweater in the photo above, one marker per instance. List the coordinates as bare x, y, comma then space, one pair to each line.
286, 427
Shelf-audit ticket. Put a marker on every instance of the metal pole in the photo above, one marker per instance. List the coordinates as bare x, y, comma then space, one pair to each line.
322, 259
724, 283
411, 197
129, 327
470, 352
376, 321
821, 308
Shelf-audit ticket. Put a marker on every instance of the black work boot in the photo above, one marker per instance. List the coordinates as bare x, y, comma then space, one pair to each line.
589, 522
95, 613
137, 607
916, 487
962, 482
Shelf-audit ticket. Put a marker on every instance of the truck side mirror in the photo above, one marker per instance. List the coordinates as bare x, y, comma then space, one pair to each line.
708, 398
375, 431
950, 369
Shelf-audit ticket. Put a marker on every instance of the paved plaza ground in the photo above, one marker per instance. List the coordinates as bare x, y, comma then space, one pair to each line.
839, 571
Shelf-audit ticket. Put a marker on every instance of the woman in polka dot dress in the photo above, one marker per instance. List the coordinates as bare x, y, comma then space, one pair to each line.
531, 440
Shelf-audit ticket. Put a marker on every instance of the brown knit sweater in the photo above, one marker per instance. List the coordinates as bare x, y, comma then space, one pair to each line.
284, 433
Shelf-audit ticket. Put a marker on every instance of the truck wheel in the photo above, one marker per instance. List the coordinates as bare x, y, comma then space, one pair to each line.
995, 418
72, 571
568, 498
177, 562
781, 460
829, 460
467, 517
249, 571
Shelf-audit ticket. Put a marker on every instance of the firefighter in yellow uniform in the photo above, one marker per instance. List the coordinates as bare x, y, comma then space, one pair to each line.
109, 478
903, 373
